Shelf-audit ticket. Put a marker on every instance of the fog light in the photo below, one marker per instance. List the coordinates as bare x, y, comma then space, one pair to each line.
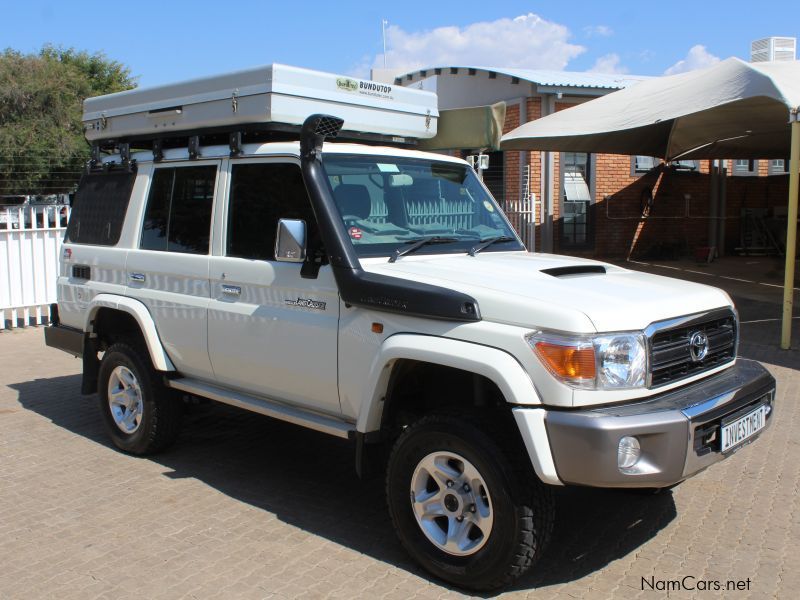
628, 452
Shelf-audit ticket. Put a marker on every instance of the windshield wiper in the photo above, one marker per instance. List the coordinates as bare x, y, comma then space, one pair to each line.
488, 242
416, 244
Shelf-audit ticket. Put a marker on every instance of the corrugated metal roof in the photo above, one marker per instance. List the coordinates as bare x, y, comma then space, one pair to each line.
540, 77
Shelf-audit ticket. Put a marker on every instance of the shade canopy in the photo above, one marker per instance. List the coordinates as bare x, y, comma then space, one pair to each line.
734, 109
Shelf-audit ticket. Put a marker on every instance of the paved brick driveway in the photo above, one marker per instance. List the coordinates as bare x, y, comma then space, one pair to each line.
245, 507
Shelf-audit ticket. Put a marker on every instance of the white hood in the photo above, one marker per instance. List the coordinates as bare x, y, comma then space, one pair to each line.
511, 288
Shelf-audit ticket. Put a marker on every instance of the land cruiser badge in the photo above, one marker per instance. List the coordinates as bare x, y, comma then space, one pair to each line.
307, 303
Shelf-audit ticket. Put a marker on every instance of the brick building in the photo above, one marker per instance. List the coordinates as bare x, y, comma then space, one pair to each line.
611, 205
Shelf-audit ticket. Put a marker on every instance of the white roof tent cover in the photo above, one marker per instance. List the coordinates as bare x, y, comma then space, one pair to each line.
731, 110
267, 95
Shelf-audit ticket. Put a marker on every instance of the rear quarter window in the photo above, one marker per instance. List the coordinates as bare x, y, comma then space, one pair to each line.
178, 214
99, 208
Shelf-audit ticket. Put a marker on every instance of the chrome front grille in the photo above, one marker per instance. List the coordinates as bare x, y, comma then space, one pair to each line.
670, 345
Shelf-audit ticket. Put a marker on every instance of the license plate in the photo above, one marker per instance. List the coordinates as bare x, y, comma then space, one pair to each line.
744, 428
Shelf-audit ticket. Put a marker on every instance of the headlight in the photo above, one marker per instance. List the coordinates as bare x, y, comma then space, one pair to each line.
621, 361
605, 362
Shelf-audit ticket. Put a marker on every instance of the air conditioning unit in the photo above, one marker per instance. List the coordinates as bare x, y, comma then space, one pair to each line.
773, 48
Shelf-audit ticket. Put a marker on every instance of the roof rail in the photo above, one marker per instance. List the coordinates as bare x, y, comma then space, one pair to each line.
236, 137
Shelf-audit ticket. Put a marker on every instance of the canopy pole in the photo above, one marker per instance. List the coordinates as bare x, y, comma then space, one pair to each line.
713, 201
791, 232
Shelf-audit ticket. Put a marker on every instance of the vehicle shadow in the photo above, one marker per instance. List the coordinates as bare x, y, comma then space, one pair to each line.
307, 480
760, 333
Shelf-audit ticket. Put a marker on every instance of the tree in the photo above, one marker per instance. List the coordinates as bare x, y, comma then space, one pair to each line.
42, 148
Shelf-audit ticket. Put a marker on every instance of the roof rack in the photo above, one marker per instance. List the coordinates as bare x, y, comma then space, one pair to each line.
236, 137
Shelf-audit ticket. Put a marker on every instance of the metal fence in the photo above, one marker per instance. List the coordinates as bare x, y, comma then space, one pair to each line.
522, 214
30, 245
522, 211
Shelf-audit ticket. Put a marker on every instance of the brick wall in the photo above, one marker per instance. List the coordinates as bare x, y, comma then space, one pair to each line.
677, 219
674, 225
511, 159
534, 111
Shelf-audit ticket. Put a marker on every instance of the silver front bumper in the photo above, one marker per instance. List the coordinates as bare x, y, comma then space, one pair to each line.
679, 431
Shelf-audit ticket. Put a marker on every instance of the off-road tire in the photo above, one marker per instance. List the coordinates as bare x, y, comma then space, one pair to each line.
162, 409
523, 507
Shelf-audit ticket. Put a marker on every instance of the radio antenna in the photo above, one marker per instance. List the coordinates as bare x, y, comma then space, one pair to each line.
384, 23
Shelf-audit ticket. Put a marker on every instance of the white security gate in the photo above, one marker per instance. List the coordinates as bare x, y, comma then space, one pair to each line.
30, 245
522, 212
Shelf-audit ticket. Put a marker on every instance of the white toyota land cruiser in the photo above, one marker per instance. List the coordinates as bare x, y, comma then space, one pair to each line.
379, 294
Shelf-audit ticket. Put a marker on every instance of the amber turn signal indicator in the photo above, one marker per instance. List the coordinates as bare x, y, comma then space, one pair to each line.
377, 328
567, 362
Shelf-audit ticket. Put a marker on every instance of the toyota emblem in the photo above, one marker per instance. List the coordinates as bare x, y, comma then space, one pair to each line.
698, 346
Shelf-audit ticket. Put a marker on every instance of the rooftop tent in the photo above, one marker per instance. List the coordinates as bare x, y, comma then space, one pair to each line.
731, 110
271, 98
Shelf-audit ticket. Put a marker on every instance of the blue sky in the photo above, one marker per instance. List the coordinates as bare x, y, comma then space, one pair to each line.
172, 40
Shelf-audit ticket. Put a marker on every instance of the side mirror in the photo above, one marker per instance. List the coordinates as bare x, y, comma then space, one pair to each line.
290, 241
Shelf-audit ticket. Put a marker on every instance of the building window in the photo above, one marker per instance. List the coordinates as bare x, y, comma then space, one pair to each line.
495, 176
685, 165
778, 167
576, 200
643, 164
745, 167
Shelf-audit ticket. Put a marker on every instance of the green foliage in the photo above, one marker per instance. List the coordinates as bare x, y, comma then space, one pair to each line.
42, 148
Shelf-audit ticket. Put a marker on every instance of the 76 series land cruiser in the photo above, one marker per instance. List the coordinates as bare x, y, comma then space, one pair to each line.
272, 240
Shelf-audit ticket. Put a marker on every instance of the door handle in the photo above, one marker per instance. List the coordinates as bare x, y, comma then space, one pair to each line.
136, 277
231, 290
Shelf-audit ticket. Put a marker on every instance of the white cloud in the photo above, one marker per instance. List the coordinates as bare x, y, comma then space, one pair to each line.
697, 58
646, 55
608, 63
361, 68
600, 30
527, 41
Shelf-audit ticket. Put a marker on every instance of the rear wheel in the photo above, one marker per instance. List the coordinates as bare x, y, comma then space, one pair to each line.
141, 414
464, 508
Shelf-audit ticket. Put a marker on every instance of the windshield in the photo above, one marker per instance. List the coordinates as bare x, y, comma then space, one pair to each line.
389, 202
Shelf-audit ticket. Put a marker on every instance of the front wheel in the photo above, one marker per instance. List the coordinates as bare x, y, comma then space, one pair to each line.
468, 511
141, 415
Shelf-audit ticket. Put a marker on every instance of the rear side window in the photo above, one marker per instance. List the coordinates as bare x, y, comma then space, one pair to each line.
99, 207
178, 214
261, 194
